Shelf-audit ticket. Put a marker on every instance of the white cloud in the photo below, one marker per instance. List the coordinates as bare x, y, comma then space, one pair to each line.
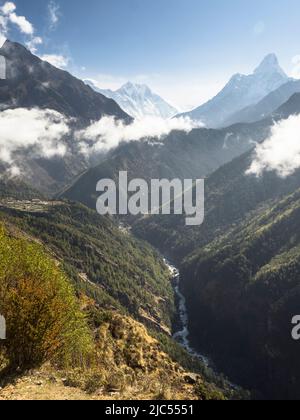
3, 30
108, 133
33, 43
23, 24
3, 27
8, 8
56, 60
8, 17
39, 130
281, 151
54, 14
41, 133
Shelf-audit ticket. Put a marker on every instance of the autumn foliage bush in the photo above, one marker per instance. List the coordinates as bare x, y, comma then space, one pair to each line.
44, 321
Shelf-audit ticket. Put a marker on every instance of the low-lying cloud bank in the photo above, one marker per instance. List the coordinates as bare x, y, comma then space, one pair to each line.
281, 151
41, 133
108, 133
39, 130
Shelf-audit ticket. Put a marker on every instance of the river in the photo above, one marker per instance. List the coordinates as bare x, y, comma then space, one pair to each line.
182, 336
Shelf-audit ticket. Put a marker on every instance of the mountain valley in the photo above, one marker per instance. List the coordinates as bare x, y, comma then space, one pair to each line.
92, 306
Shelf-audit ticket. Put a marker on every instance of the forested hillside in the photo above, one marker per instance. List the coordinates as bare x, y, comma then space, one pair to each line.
240, 274
230, 196
94, 351
243, 291
128, 273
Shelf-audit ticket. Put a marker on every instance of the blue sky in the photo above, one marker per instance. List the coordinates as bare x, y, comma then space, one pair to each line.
184, 49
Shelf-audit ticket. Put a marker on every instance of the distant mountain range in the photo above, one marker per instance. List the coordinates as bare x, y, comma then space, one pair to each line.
33, 83
243, 91
138, 100
181, 155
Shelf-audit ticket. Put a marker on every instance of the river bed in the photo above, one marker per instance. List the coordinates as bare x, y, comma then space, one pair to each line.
182, 335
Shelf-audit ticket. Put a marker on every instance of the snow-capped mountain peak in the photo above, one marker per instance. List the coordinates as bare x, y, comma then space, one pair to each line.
270, 64
240, 92
138, 100
138, 90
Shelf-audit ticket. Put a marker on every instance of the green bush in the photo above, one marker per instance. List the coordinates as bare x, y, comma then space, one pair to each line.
44, 322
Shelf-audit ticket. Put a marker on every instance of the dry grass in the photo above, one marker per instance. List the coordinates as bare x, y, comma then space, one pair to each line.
129, 366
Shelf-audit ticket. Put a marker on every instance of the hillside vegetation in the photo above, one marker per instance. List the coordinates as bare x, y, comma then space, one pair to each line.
231, 196
42, 315
95, 350
241, 275
247, 291
103, 260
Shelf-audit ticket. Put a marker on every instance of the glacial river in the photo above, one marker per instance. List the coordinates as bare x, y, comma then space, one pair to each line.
182, 336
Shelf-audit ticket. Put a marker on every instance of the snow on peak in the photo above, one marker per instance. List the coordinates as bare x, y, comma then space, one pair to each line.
270, 64
240, 92
139, 101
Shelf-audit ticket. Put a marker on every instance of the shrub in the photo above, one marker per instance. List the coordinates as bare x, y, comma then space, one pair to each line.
43, 318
